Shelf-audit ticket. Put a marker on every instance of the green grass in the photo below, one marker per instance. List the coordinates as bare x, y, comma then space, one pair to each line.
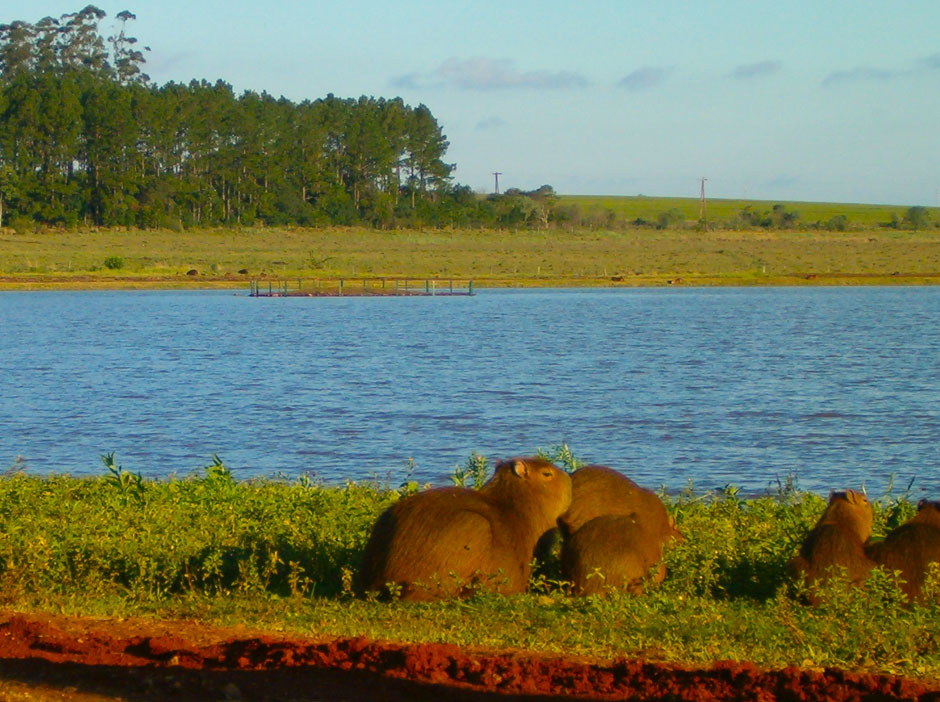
280, 555
556, 257
859, 216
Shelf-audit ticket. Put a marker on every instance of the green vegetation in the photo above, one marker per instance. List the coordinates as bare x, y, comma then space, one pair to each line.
677, 212
86, 138
489, 257
281, 554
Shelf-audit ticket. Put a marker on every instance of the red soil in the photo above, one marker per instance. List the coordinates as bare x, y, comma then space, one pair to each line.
65, 658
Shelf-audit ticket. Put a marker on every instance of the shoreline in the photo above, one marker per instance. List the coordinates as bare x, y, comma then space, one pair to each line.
330, 287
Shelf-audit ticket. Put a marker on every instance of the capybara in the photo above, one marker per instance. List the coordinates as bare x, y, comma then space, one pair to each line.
612, 551
911, 548
614, 533
599, 490
837, 540
443, 541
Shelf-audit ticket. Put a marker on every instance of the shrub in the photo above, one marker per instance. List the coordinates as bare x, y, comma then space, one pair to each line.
114, 262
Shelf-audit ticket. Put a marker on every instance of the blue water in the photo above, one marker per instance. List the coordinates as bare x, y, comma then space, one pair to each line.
838, 387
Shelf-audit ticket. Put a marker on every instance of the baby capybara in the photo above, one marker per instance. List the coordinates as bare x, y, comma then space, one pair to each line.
443, 541
614, 533
837, 540
911, 548
612, 551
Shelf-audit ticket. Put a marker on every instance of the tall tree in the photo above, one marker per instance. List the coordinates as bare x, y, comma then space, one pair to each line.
127, 59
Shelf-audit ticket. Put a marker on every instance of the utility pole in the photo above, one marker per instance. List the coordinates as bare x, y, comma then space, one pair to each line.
702, 214
497, 174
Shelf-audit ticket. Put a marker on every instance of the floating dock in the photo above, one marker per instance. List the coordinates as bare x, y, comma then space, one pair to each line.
361, 287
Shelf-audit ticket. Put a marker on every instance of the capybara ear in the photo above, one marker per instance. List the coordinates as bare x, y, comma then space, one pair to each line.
856, 498
921, 503
520, 468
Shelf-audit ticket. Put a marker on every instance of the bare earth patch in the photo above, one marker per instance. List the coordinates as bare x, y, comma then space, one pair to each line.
44, 657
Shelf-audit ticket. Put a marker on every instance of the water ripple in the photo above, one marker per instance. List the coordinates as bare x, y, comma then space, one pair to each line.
837, 387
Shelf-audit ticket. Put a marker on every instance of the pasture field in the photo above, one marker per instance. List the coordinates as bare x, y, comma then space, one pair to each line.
720, 210
524, 257
281, 555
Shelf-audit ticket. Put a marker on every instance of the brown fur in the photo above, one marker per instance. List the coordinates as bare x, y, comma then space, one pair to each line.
440, 542
837, 540
599, 490
911, 548
614, 532
611, 551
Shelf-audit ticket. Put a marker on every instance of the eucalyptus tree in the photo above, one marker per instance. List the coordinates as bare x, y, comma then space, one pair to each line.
426, 146
125, 55
83, 133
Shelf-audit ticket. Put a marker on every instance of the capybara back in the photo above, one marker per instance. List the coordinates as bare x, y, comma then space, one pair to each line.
599, 490
611, 552
441, 542
911, 548
836, 541
614, 532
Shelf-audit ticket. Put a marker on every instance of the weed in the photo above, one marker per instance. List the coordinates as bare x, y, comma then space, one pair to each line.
562, 456
475, 469
129, 485
285, 553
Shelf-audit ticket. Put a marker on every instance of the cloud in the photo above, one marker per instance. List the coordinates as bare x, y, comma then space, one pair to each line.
490, 123
863, 74
860, 74
480, 73
930, 62
755, 70
410, 81
645, 77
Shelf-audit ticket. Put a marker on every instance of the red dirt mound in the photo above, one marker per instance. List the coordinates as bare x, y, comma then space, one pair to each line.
55, 658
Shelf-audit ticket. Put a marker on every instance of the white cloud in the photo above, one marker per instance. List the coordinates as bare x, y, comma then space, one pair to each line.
858, 74
645, 77
480, 73
755, 70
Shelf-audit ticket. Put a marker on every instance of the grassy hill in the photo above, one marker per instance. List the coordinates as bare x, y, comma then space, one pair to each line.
722, 210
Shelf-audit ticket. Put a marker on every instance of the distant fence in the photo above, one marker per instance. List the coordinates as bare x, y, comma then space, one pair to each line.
359, 287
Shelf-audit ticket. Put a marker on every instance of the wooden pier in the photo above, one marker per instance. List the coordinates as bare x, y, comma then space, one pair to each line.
361, 287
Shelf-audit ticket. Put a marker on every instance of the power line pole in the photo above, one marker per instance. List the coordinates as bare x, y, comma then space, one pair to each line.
702, 214
497, 174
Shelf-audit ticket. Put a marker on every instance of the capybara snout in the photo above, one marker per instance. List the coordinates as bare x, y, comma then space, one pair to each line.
445, 541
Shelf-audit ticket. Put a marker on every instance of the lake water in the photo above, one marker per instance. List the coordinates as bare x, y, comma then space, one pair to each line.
838, 387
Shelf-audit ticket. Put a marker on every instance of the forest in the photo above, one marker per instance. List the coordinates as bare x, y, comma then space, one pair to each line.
86, 138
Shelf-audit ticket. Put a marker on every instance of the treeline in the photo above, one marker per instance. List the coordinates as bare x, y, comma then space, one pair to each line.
85, 137
747, 218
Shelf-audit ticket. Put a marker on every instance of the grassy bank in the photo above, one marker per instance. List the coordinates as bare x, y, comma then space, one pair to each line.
280, 555
554, 257
722, 211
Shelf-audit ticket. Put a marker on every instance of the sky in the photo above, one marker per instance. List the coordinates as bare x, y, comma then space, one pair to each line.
829, 100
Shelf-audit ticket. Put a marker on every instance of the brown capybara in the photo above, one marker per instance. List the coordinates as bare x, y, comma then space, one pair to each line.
837, 540
443, 541
614, 533
612, 551
911, 548
599, 490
